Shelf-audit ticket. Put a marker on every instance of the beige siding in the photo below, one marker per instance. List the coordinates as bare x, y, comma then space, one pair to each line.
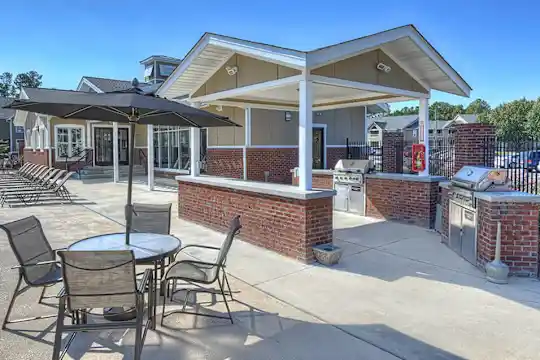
363, 68
250, 71
141, 140
268, 127
227, 136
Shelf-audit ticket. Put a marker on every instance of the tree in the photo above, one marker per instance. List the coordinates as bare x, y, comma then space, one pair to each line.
11, 87
478, 106
533, 120
510, 119
6, 87
441, 110
29, 79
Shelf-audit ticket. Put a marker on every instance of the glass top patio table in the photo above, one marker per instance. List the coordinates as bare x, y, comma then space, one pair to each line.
146, 247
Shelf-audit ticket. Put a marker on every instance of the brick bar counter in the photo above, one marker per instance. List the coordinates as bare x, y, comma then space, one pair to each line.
405, 198
321, 179
281, 218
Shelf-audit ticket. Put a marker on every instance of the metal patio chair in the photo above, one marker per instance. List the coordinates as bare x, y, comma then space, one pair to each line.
103, 280
200, 272
152, 218
37, 267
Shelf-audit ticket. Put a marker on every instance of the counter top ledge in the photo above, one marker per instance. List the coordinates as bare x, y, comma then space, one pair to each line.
406, 177
281, 190
508, 196
318, 171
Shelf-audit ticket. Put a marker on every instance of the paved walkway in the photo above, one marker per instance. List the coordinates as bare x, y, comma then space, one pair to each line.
398, 293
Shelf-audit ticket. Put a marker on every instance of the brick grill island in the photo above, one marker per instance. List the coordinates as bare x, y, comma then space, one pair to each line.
278, 217
405, 198
518, 213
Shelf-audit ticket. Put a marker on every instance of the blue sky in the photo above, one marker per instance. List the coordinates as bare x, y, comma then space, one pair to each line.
494, 45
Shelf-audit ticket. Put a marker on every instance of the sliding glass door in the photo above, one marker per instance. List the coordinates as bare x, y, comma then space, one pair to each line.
171, 148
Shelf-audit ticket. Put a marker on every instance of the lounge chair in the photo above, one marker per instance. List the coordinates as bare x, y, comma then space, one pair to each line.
199, 272
25, 176
38, 266
40, 180
31, 195
98, 280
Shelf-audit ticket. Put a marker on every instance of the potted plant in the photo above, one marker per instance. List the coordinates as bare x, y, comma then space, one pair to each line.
327, 254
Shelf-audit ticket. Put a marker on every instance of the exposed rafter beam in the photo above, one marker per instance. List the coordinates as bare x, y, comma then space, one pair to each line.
367, 87
247, 89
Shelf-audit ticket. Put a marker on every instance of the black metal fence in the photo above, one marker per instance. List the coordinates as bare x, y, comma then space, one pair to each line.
365, 151
442, 155
521, 158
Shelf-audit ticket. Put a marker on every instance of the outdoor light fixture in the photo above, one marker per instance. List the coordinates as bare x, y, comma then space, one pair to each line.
219, 108
231, 70
288, 116
383, 67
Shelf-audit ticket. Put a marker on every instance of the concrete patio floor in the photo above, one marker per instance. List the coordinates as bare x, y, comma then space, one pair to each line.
398, 293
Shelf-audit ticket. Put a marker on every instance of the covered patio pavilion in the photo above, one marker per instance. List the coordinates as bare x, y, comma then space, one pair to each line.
391, 66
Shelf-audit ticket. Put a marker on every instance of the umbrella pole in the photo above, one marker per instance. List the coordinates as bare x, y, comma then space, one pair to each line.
129, 207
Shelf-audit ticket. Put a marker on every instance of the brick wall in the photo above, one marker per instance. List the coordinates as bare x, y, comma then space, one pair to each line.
318, 181
445, 208
225, 162
471, 146
392, 152
277, 161
36, 156
287, 226
410, 202
519, 235
333, 154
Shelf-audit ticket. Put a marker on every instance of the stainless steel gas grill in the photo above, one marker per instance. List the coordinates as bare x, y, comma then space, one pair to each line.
349, 185
462, 212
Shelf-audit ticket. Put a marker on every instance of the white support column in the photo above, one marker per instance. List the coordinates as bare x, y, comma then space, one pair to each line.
247, 135
48, 141
195, 150
150, 155
116, 165
305, 131
424, 128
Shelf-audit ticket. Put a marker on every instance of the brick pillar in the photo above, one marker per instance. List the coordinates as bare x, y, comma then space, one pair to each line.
392, 152
474, 144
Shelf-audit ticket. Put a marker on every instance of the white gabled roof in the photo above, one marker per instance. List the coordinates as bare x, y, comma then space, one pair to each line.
404, 45
212, 51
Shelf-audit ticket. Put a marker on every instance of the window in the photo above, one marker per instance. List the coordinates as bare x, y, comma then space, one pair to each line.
415, 133
69, 140
171, 147
374, 132
148, 72
166, 69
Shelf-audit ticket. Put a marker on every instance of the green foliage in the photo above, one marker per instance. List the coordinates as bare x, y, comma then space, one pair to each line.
10, 87
510, 119
533, 120
478, 106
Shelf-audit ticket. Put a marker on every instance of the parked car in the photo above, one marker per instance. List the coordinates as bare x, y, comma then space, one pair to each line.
522, 160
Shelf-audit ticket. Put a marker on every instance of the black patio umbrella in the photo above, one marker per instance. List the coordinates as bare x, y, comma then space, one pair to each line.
137, 105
